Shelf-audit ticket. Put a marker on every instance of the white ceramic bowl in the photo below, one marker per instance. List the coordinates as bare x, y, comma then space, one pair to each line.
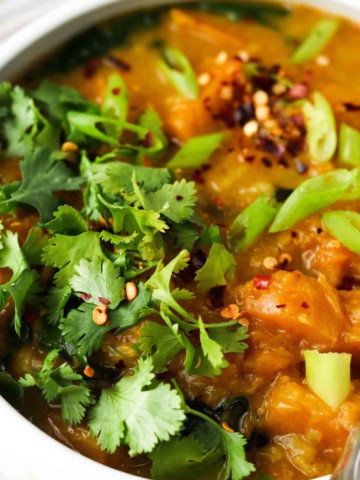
26, 452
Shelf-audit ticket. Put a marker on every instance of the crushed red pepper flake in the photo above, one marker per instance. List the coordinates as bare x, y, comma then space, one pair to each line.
261, 282
85, 296
282, 305
305, 305
104, 301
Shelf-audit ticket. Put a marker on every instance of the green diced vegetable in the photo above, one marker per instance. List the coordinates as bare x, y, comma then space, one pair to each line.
115, 103
196, 151
179, 72
349, 145
315, 194
328, 375
315, 41
345, 227
321, 128
251, 223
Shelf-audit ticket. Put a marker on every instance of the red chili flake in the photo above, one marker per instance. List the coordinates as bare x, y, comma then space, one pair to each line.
218, 201
90, 67
104, 301
299, 90
305, 305
351, 107
179, 198
85, 296
116, 91
261, 282
282, 305
205, 167
301, 167
118, 63
294, 234
308, 76
249, 158
348, 283
319, 230
148, 140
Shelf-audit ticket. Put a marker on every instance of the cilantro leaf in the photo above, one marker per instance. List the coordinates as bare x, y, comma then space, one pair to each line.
220, 266
175, 201
237, 467
184, 458
41, 176
210, 235
229, 340
10, 389
136, 411
56, 301
94, 209
58, 99
11, 255
116, 177
79, 328
58, 384
19, 127
65, 252
20, 289
160, 342
67, 221
185, 235
100, 279
34, 245
211, 350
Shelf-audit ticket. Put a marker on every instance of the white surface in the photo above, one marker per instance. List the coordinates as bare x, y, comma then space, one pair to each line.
26, 453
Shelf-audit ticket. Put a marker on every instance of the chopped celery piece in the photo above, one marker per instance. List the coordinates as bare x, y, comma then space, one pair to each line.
345, 227
315, 41
251, 223
315, 194
328, 375
179, 72
196, 151
321, 128
349, 145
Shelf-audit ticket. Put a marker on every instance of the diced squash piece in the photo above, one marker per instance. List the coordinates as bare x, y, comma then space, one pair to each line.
328, 375
291, 408
350, 337
184, 119
306, 307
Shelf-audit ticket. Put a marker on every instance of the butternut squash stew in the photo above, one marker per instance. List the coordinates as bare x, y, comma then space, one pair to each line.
180, 242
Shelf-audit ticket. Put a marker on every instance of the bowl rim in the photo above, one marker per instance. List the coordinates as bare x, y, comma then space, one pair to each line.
33, 42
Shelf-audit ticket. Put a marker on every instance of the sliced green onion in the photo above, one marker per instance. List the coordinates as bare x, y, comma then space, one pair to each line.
315, 194
328, 375
251, 223
151, 120
196, 151
179, 72
349, 145
315, 41
115, 103
345, 227
88, 125
321, 128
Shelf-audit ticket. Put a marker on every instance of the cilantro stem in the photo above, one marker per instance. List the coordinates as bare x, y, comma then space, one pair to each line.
190, 411
232, 323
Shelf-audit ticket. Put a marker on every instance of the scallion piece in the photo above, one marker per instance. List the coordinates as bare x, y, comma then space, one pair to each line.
179, 72
328, 375
196, 151
315, 194
345, 227
349, 145
115, 103
321, 128
251, 223
315, 41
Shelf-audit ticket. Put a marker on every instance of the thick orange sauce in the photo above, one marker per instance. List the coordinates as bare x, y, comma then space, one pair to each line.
306, 436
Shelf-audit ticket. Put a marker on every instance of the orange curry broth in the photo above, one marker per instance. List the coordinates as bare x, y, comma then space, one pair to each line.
306, 436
